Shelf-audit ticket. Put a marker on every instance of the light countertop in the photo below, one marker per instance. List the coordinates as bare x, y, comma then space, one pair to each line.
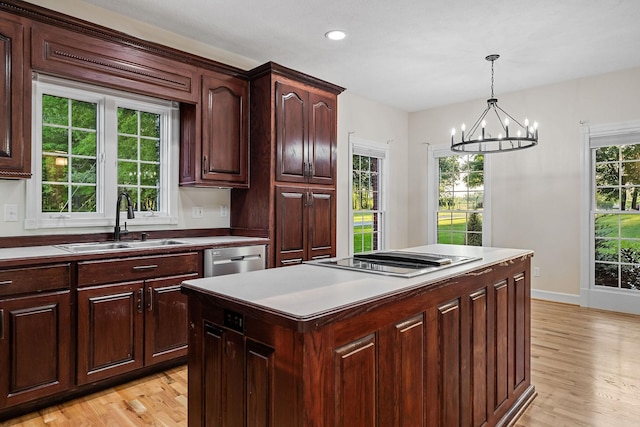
53, 251
306, 291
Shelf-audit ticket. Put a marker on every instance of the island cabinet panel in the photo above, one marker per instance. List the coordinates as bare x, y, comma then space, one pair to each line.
356, 379
15, 100
35, 347
450, 353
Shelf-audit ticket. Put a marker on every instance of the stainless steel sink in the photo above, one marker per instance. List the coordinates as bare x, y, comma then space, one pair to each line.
119, 246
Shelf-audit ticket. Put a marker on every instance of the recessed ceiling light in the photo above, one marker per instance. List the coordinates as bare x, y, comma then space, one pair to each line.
335, 35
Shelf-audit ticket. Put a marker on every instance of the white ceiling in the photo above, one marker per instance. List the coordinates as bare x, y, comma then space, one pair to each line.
413, 54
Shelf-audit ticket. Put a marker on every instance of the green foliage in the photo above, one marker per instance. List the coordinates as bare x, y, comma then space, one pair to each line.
474, 230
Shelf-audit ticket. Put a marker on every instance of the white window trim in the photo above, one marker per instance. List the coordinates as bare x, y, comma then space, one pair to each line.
436, 152
108, 100
380, 150
590, 296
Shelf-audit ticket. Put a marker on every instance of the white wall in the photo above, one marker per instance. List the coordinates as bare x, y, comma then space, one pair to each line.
536, 198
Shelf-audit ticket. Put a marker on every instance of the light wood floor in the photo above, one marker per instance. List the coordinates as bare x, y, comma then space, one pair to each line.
585, 366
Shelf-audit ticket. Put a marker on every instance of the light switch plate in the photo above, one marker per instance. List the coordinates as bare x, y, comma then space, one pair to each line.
11, 213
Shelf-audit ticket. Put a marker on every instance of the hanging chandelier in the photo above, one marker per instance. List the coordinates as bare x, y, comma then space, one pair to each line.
507, 135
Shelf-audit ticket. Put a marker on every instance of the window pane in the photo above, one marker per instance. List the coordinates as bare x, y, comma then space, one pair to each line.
127, 121
83, 143
55, 140
150, 150
606, 225
608, 198
150, 125
630, 152
83, 114
84, 198
149, 174
127, 173
55, 110
83, 170
630, 225
606, 250
127, 148
54, 168
607, 154
631, 173
630, 276
606, 275
149, 199
607, 174
54, 198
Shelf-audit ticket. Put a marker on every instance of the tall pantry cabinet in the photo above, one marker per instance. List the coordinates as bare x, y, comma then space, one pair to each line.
293, 136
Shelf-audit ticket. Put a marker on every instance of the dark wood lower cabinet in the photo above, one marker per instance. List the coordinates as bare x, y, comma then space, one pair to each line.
126, 326
35, 347
448, 354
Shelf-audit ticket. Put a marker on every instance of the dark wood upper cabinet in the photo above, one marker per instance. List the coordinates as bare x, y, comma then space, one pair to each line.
306, 135
292, 165
15, 96
78, 55
215, 134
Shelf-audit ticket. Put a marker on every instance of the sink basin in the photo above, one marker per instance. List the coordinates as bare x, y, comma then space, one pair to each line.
115, 246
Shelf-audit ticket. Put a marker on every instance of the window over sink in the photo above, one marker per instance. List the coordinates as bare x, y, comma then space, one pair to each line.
90, 144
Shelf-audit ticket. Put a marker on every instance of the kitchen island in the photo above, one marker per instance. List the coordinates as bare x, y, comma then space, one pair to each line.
310, 345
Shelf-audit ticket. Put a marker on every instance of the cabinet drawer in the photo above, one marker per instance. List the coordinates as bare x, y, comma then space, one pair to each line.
34, 279
135, 268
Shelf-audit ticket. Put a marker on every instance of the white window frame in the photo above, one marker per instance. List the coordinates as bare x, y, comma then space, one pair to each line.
594, 136
379, 150
108, 101
432, 197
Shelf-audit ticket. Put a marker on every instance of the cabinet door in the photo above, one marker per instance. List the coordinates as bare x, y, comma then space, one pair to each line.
110, 330
225, 137
166, 319
321, 211
35, 347
292, 160
15, 152
291, 225
322, 139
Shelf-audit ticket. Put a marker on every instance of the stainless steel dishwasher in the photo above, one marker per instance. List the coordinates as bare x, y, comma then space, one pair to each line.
218, 262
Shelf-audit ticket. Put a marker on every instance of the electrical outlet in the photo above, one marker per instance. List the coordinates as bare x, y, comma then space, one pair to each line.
224, 210
11, 213
536, 271
197, 212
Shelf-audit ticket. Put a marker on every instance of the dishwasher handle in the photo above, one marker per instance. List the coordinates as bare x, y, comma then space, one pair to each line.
236, 259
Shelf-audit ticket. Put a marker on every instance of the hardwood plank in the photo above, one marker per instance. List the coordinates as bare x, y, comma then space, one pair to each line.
585, 367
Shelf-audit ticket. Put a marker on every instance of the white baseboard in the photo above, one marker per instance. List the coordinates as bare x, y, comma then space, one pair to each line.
555, 297
611, 300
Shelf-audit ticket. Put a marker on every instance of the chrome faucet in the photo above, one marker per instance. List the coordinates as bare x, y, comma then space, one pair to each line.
130, 215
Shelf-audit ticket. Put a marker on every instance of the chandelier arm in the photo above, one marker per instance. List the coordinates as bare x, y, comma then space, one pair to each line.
473, 128
498, 116
511, 117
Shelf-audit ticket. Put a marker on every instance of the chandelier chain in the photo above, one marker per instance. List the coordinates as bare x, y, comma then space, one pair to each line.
492, 77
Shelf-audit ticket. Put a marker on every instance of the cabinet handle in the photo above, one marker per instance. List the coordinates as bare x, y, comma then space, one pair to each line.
291, 261
140, 296
310, 169
150, 298
205, 165
310, 197
145, 267
6, 282
1, 323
